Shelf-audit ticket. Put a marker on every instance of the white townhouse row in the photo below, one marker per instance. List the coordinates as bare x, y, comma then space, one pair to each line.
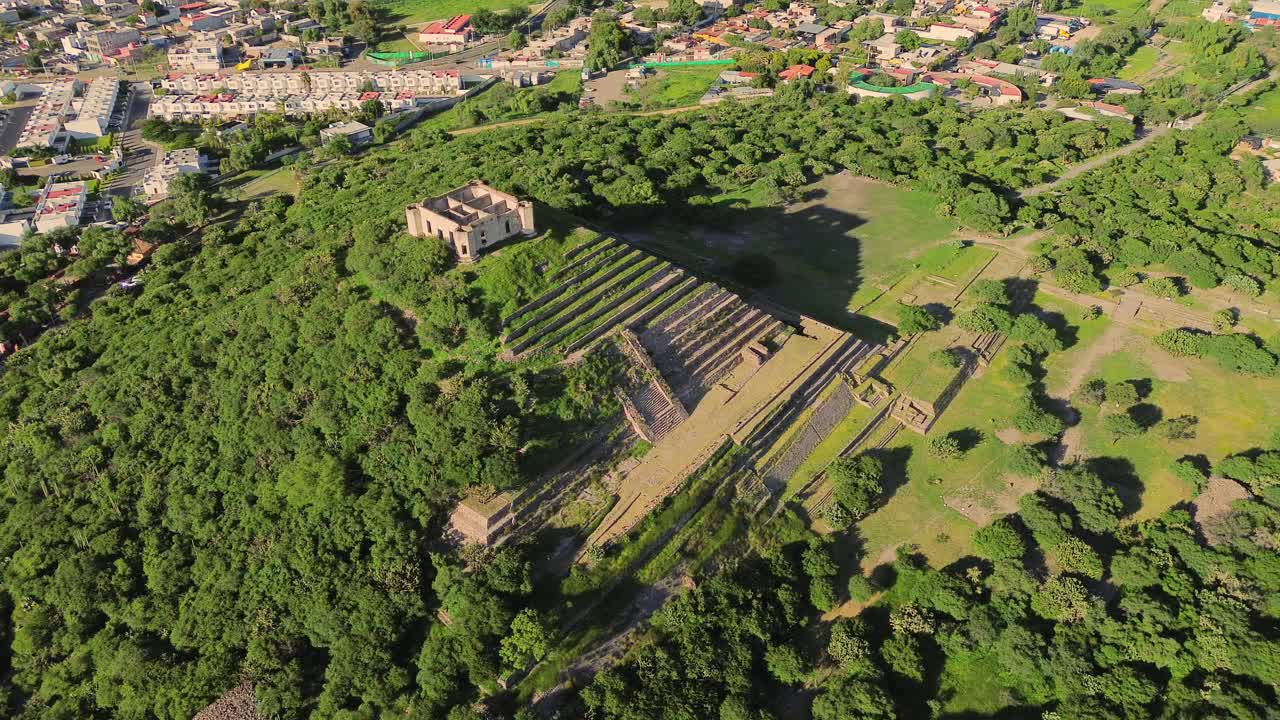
93, 116
439, 83
44, 125
227, 106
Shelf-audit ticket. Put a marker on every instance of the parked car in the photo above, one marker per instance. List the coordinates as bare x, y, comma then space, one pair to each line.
61, 159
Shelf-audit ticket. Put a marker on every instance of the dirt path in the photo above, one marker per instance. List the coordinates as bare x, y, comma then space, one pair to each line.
1111, 340
1095, 162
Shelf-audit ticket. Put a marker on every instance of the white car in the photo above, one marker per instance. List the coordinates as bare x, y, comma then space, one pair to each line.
61, 159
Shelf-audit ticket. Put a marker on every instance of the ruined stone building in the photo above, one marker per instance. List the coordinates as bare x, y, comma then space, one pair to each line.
473, 218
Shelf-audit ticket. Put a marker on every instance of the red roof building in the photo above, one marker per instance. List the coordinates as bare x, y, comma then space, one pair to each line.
454, 31
795, 72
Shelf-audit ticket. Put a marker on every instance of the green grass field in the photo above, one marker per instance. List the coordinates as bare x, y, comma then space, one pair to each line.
1110, 9
1140, 63
917, 510
502, 102
397, 43
845, 235
1263, 114
1182, 9
675, 87
408, 12
1236, 412
259, 183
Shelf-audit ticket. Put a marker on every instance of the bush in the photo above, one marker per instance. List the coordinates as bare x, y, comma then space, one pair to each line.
1027, 460
1182, 427
999, 541
861, 588
1183, 343
945, 447
985, 318
989, 292
785, 664
1036, 333
1123, 394
857, 483
1030, 418
1243, 284
1075, 556
946, 358
1224, 320
1125, 277
837, 516
913, 319
1187, 472
1121, 425
1240, 353
822, 593
848, 644
1163, 287
1093, 392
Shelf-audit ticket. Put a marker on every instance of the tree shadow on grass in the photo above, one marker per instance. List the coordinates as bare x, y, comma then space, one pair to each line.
894, 460
968, 438
1146, 415
818, 261
1119, 474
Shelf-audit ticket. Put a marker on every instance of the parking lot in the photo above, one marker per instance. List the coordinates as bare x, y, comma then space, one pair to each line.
12, 118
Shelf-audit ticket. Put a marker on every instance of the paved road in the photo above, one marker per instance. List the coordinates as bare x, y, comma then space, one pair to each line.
139, 155
85, 165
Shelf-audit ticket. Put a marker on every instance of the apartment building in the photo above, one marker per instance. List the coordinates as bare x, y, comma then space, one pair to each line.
104, 44
168, 167
44, 125
93, 113
435, 83
229, 106
60, 205
201, 56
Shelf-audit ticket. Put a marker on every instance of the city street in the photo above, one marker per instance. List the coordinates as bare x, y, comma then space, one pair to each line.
139, 155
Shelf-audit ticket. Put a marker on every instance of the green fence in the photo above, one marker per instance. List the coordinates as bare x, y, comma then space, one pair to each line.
401, 58
917, 87
689, 63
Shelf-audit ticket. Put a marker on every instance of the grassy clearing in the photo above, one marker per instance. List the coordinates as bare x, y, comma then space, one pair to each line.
967, 263
1263, 114
1105, 10
518, 272
1235, 412
675, 87
270, 182
916, 512
1182, 9
848, 234
408, 12
1140, 63
917, 374
398, 43
502, 102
